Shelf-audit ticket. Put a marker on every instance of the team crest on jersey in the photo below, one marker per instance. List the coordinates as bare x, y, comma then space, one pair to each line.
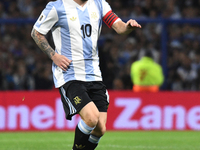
94, 16
73, 18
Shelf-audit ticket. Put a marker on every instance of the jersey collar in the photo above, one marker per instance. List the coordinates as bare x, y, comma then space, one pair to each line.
73, 3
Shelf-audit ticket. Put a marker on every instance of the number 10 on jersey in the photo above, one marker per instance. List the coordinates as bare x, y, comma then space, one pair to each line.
86, 30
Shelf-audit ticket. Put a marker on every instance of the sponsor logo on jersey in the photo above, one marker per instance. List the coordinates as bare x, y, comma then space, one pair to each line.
73, 18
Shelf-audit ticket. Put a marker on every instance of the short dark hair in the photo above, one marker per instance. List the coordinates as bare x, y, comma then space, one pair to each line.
148, 53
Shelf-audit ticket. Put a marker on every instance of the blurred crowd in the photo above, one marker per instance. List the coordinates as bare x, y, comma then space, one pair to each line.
24, 67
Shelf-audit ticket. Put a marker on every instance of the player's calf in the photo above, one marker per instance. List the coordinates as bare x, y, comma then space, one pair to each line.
82, 133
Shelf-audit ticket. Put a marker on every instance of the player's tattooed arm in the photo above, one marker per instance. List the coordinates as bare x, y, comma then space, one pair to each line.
60, 60
42, 43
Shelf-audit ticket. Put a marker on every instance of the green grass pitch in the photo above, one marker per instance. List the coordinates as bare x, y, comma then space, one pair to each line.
112, 140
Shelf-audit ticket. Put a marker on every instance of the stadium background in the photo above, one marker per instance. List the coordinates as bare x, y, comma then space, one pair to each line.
170, 29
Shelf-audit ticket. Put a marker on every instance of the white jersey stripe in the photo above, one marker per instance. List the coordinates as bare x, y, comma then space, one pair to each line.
95, 22
46, 17
58, 71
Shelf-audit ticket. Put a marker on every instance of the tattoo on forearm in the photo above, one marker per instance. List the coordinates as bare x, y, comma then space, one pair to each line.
42, 43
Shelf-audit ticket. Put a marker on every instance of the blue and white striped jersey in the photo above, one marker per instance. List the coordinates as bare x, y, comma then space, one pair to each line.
75, 32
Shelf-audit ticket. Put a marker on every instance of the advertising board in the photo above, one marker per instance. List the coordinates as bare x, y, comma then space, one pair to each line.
43, 110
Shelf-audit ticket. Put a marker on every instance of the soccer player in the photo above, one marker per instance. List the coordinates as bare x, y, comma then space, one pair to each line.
75, 26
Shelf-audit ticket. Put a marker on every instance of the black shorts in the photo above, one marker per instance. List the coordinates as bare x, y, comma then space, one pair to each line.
76, 94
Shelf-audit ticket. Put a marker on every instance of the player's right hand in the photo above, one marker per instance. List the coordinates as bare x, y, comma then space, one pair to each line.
61, 61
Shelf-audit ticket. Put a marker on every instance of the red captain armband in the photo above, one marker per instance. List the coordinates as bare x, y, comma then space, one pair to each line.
110, 18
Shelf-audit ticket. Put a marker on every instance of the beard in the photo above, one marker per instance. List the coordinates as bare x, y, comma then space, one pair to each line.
84, 0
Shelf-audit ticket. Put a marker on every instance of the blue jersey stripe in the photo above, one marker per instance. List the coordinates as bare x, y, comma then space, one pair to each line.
87, 43
66, 45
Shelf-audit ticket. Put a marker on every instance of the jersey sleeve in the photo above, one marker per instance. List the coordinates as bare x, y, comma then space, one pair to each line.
109, 17
47, 19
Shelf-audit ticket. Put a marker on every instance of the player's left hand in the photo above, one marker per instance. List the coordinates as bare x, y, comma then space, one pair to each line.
132, 24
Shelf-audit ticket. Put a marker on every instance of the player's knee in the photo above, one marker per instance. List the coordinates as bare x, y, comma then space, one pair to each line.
92, 119
99, 132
